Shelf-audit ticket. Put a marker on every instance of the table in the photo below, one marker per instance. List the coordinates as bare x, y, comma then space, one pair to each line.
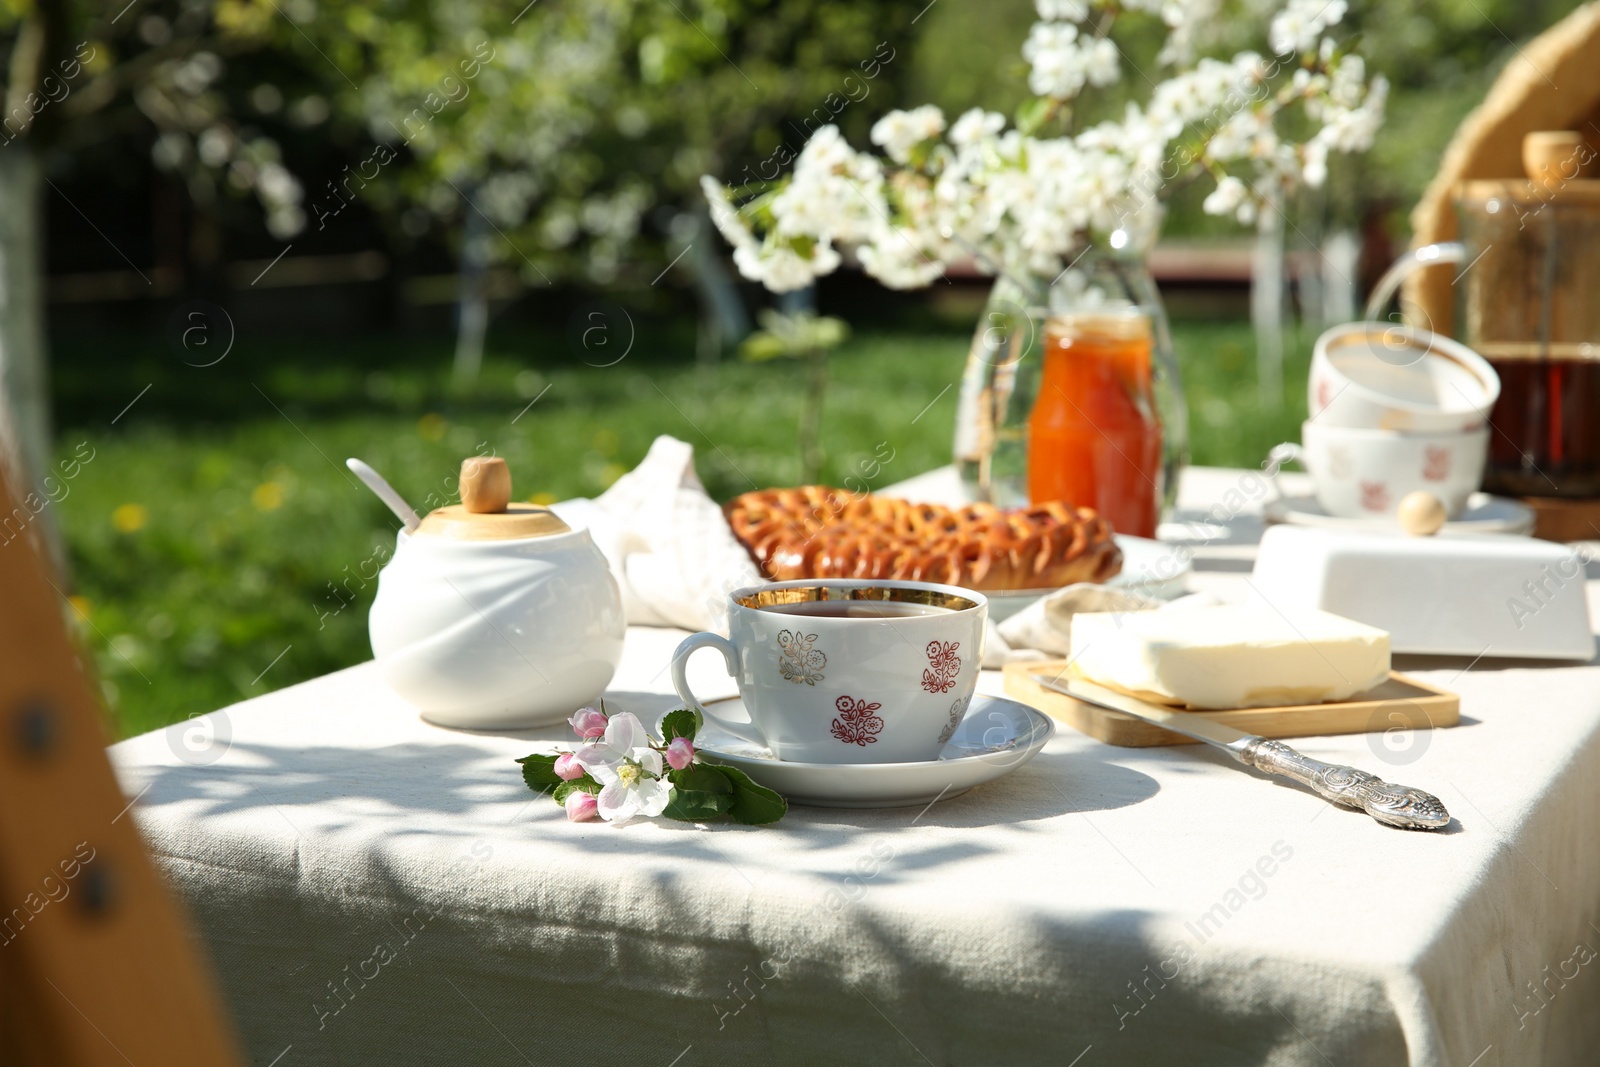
373, 889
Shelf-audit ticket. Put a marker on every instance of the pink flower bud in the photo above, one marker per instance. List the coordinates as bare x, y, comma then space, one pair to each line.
581, 806
567, 766
680, 753
588, 723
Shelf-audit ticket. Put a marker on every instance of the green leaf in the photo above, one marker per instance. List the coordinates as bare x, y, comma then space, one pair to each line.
829, 332
685, 722
577, 785
753, 804
539, 771
697, 805
701, 777
1032, 115
762, 347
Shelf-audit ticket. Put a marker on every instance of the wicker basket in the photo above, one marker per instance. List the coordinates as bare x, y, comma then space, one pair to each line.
1552, 84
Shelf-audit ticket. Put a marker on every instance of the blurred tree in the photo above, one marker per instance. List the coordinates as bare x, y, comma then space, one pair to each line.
567, 140
76, 75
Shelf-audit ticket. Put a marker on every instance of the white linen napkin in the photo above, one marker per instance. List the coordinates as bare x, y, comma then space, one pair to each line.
669, 546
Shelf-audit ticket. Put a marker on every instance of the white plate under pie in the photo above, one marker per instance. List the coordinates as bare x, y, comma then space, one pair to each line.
1149, 568
1483, 514
997, 736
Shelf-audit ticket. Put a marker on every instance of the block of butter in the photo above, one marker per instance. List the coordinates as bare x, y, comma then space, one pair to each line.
1230, 656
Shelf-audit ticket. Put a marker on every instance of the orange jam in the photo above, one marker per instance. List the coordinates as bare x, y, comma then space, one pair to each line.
1094, 438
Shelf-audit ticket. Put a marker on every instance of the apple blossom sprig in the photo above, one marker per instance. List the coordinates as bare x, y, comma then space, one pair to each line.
621, 772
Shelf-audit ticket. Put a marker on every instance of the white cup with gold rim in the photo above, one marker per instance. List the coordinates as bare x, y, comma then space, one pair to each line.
847, 670
1383, 376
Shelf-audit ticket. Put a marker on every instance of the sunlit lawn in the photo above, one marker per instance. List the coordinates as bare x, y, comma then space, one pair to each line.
218, 545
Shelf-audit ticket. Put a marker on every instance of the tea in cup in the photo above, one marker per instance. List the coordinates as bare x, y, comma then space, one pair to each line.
847, 671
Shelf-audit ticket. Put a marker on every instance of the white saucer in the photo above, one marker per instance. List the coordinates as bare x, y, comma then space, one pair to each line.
1483, 514
1152, 568
1149, 568
996, 737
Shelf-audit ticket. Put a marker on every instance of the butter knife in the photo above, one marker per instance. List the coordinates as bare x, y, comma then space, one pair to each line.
1392, 805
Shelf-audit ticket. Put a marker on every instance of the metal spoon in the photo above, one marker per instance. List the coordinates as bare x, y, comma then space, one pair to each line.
386, 493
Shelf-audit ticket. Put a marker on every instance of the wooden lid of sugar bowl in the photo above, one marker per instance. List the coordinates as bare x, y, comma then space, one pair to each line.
486, 512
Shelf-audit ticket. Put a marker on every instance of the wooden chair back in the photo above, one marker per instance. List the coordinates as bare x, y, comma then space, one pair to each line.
97, 964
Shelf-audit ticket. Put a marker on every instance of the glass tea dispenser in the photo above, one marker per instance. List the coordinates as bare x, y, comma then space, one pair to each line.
1532, 308
1527, 298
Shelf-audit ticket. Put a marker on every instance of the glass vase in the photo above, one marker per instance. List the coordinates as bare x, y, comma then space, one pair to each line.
1071, 392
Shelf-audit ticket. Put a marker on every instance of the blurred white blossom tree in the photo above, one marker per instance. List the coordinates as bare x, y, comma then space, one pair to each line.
566, 140
78, 73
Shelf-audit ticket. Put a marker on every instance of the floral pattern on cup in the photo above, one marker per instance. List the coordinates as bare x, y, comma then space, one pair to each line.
943, 666
1375, 496
1436, 465
957, 710
855, 724
1362, 473
799, 659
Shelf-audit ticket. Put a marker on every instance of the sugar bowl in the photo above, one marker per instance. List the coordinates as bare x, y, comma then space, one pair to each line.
495, 615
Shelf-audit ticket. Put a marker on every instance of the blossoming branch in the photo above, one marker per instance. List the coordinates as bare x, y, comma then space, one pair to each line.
1025, 203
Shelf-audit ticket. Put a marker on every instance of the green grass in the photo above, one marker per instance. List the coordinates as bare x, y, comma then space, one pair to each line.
220, 550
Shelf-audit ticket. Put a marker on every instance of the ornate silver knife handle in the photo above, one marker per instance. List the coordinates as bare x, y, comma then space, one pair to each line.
1394, 805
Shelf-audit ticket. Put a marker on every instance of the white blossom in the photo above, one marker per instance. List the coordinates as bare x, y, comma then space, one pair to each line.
896, 261
1063, 61
781, 268
628, 769
1103, 63
1247, 134
1052, 50
727, 221
1314, 163
1345, 128
1062, 10
835, 193
1297, 27
899, 132
976, 126
1346, 82
1230, 197
1184, 19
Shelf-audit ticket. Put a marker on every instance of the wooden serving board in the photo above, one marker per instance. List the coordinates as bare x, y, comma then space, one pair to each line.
1400, 702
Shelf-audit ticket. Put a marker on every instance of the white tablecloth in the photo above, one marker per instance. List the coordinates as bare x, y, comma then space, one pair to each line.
376, 890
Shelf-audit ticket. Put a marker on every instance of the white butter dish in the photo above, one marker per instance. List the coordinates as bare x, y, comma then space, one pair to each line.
1450, 594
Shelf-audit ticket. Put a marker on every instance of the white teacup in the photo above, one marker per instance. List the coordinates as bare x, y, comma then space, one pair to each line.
1382, 376
1366, 473
847, 670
